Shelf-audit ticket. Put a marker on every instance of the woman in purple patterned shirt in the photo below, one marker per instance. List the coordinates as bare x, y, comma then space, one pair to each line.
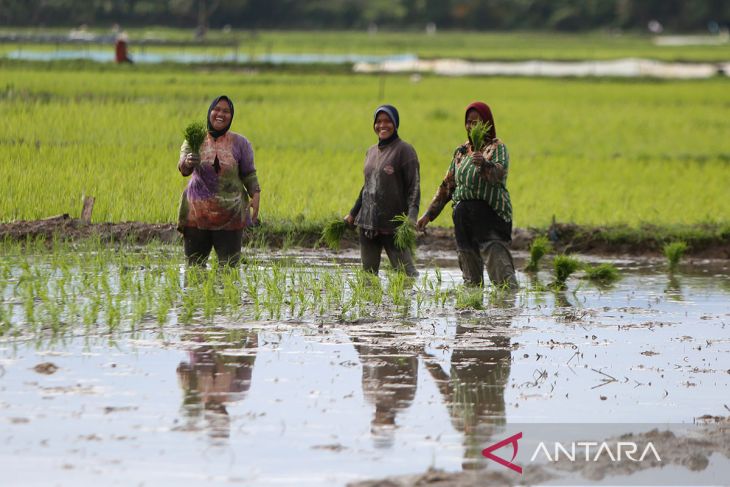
223, 194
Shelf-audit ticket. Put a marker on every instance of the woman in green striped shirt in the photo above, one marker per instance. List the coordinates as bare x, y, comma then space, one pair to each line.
476, 182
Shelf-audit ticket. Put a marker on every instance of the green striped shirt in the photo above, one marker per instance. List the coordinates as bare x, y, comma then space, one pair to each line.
471, 183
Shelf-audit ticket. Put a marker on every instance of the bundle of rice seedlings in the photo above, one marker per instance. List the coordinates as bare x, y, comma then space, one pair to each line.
478, 135
469, 298
674, 251
604, 273
564, 266
333, 232
405, 234
539, 247
195, 134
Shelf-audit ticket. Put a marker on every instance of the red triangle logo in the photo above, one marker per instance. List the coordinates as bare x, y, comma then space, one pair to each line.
487, 452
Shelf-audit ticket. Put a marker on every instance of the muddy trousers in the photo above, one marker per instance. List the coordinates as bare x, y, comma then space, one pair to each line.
498, 260
482, 239
198, 244
371, 249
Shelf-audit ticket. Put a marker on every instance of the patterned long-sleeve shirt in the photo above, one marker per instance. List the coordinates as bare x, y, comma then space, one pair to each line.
217, 196
392, 187
466, 181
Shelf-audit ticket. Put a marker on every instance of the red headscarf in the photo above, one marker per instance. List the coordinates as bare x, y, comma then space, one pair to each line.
485, 113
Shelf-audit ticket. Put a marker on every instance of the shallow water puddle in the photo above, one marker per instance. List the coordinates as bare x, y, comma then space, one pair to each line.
318, 401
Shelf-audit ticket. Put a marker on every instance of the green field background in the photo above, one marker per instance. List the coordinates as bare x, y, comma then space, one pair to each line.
597, 152
504, 46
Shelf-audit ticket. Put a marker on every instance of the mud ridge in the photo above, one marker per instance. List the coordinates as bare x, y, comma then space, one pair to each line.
704, 241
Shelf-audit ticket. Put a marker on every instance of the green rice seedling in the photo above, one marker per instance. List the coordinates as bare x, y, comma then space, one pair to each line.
333, 232
537, 287
253, 281
539, 247
499, 292
6, 320
91, 312
372, 288
397, 282
405, 234
674, 251
478, 135
189, 305
564, 266
420, 298
334, 289
114, 313
364, 288
162, 311
28, 304
439, 294
195, 134
275, 284
468, 297
139, 309
602, 273
210, 299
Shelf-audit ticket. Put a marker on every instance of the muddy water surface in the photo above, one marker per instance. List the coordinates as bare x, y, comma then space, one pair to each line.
319, 401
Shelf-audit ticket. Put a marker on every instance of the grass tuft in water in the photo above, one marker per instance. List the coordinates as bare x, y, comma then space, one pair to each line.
405, 234
564, 266
195, 135
603, 273
539, 247
468, 297
674, 251
333, 232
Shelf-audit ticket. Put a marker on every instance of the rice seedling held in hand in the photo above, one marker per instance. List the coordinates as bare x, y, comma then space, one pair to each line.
405, 234
478, 135
195, 134
564, 266
539, 247
603, 273
674, 251
333, 232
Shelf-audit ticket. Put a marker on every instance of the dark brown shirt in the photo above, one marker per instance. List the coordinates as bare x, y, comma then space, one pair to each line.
392, 187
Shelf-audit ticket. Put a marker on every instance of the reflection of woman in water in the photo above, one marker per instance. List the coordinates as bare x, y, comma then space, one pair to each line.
473, 390
211, 379
389, 379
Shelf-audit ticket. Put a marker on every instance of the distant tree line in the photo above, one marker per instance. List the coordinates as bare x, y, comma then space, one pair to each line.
563, 15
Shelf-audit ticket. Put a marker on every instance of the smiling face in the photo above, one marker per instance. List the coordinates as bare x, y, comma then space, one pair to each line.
383, 126
220, 115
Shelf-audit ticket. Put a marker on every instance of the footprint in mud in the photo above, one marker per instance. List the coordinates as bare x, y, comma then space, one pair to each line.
46, 368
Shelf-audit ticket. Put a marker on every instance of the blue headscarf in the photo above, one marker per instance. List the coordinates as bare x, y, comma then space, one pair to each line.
217, 133
392, 113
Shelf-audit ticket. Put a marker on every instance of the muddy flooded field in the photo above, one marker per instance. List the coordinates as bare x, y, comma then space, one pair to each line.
118, 367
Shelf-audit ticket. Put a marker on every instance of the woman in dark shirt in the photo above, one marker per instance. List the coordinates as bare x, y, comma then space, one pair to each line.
392, 188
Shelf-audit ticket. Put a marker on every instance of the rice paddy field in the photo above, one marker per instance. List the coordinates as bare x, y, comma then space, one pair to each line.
297, 369
589, 152
119, 365
508, 46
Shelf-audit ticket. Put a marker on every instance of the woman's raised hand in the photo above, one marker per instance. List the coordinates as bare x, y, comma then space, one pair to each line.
192, 160
477, 158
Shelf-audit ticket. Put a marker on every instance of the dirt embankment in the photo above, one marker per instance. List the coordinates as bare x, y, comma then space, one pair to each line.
704, 242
